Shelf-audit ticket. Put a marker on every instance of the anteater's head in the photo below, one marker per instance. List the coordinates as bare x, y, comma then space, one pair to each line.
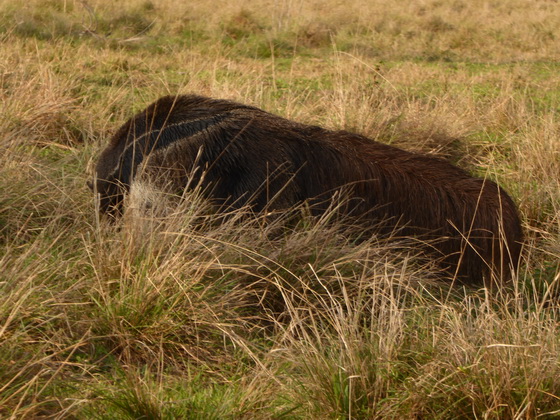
106, 185
110, 178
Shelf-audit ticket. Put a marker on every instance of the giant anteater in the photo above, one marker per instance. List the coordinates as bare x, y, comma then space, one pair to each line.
242, 155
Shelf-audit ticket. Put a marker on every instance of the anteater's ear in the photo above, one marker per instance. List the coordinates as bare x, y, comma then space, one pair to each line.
90, 185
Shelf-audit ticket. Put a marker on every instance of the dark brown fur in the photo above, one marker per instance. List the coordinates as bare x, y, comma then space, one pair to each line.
249, 156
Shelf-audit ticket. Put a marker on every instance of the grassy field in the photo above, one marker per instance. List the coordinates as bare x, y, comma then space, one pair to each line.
156, 319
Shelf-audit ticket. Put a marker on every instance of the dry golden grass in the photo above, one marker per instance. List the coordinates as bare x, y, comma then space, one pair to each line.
187, 316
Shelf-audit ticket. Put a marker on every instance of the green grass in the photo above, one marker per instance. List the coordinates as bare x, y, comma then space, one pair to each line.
191, 316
